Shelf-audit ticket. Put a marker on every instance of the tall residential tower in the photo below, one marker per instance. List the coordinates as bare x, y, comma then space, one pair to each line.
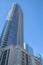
13, 29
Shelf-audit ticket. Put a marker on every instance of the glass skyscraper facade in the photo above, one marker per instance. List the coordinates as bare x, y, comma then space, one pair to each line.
13, 29
11, 49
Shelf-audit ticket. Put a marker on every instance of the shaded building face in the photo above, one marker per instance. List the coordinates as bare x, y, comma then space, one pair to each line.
13, 30
4, 57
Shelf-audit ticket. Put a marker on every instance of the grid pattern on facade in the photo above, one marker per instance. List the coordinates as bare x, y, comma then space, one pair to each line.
4, 57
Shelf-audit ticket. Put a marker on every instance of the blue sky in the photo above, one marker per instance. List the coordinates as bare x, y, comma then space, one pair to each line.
33, 21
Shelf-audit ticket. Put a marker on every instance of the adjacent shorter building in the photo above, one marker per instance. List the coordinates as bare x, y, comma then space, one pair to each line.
28, 48
15, 55
39, 56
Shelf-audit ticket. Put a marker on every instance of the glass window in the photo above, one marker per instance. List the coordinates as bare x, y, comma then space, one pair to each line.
4, 58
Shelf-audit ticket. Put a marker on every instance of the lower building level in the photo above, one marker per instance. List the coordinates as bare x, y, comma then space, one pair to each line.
11, 55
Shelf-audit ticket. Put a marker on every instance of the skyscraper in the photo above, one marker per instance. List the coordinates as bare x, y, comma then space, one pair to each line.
13, 29
11, 50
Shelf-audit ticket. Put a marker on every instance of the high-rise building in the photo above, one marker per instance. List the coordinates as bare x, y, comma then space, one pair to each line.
11, 50
13, 29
